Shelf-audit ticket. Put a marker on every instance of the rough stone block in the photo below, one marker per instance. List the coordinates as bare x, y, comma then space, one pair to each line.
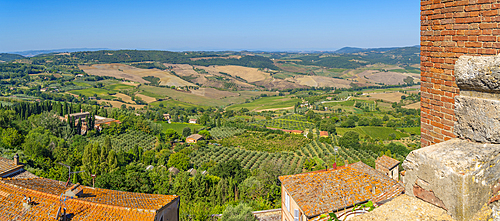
478, 119
457, 175
478, 73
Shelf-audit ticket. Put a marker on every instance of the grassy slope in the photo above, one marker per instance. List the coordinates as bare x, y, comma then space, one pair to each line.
179, 126
266, 103
172, 103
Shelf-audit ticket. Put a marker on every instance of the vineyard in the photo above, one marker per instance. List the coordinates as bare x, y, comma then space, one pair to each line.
260, 141
366, 105
225, 132
249, 159
329, 153
288, 122
125, 141
292, 162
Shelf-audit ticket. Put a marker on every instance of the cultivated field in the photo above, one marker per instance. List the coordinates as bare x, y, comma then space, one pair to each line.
173, 103
412, 106
292, 67
249, 74
145, 98
207, 77
388, 78
387, 97
124, 97
266, 103
134, 74
320, 81
213, 93
119, 104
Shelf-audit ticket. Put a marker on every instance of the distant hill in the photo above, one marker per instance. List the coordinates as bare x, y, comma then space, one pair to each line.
120, 56
33, 53
349, 50
9, 57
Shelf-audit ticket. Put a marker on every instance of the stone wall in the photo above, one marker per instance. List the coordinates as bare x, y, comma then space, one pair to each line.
462, 175
450, 29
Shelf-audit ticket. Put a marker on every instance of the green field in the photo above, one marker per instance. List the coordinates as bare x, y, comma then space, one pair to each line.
89, 92
266, 103
179, 126
348, 103
373, 132
171, 103
283, 75
337, 70
414, 130
149, 94
117, 87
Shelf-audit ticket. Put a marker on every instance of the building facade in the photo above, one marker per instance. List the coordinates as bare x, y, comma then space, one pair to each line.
308, 196
388, 165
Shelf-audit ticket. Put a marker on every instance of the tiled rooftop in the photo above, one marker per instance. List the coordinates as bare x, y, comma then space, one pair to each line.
387, 162
195, 136
7, 166
331, 190
23, 174
93, 203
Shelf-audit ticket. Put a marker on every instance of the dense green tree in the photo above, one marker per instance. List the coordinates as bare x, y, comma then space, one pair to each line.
238, 213
376, 121
205, 134
364, 121
349, 140
349, 123
230, 169
178, 160
171, 135
186, 131
11, 138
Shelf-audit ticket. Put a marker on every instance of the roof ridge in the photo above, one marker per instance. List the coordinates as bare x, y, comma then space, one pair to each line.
58, 197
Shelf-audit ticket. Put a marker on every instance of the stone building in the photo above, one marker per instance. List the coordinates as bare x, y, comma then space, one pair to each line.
76, 116
46, 199
388, 166
13, 168
307, 196
24, 196
193, 138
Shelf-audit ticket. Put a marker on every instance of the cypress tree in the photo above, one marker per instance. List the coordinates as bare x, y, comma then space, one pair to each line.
79, 127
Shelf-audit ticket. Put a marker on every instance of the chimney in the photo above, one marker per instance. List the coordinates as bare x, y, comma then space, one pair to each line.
334, 166
346, 162
16, 159
373, 189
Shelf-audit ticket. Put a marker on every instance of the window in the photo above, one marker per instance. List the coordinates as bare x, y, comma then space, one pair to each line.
287, 202
296, 215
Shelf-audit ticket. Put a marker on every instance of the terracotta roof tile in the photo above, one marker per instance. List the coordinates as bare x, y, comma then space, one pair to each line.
93, 204
195, 136
330, 190
7, 166
387, 162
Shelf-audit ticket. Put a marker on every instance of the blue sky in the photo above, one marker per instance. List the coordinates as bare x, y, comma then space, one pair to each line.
271, 25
